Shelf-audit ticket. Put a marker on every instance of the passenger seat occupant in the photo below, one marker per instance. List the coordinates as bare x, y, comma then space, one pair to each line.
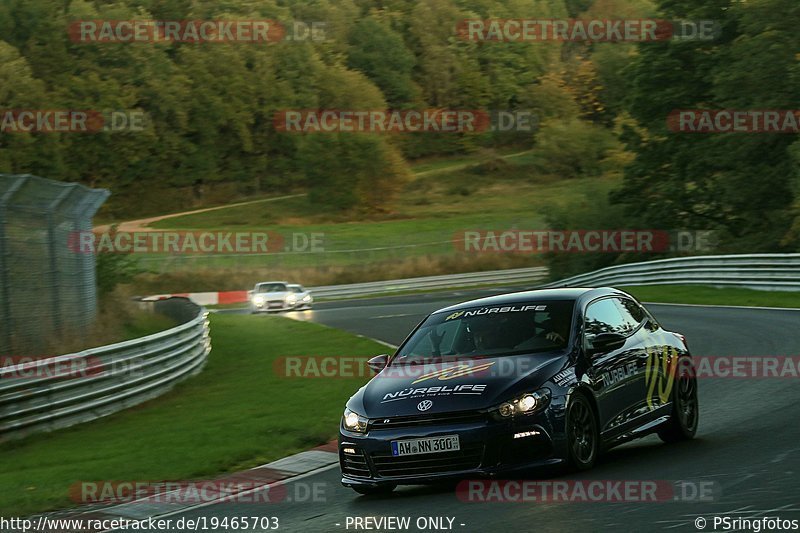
556, 327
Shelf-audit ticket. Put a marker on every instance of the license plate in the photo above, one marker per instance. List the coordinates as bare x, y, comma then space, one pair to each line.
448, 443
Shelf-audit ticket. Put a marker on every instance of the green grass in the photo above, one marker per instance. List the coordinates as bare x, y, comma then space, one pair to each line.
143, 324
237, 414
424, 220
680, 294
447, 164
429, 213
694, 294
443, 164
115, 323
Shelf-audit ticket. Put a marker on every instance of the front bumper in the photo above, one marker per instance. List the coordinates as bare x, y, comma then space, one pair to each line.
488, 449
278, 305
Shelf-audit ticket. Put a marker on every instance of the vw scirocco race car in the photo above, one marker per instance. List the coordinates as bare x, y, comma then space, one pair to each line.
512, 382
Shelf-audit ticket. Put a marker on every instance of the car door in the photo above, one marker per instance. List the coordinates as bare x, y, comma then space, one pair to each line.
618, 374
662, 358
646, 343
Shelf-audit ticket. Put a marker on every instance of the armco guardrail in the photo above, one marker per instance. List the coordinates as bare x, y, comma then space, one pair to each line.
56, 392
778, 272
496, 277
332, 292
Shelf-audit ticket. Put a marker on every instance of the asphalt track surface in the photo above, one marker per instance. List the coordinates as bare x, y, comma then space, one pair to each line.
747, 446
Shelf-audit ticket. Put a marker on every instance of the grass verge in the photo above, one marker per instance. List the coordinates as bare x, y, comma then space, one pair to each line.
697, 294
426, 223
117, 320
679, 294
233, 416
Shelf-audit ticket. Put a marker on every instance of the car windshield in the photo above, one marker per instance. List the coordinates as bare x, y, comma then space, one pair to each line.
496, 331
272, 287
295, 288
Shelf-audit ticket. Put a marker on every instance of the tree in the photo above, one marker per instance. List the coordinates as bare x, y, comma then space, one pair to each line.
738, 184
380, 53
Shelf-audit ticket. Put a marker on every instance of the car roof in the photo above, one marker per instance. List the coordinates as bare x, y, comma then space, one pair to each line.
566, 294
271, 283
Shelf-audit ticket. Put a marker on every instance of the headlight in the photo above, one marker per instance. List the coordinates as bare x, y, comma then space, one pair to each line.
291, 298
525, 404
307, 298
258, 299
354, 421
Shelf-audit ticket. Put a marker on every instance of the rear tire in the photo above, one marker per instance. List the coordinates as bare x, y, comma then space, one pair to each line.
682, 423
583, 442
368, 490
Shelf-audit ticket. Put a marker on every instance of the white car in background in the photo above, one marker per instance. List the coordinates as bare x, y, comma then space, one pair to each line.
279, 296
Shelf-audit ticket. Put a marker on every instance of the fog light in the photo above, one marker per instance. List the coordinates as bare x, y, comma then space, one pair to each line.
351, 451
524, 434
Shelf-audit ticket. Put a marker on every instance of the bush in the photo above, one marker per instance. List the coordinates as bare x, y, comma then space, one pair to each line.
595, 212
113, 269
572, 149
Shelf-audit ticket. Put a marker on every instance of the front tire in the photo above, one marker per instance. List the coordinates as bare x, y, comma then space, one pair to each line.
583, 442
368, 490
682, 423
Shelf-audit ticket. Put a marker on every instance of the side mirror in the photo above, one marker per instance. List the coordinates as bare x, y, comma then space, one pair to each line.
606, 342
378, 363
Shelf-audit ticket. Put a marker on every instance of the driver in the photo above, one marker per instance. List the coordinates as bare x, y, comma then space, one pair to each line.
484, 335
556, 328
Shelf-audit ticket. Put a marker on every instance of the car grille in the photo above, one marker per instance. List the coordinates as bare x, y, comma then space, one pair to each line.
468, 458
427, 420
355, 464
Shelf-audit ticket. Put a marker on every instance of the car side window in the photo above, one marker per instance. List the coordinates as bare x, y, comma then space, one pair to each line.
632, 313
605, 316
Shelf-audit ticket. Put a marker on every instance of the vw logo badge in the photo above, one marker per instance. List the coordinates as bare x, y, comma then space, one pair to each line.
424, 405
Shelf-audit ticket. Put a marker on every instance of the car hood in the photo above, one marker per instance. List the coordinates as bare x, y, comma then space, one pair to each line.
272, 295
462, 385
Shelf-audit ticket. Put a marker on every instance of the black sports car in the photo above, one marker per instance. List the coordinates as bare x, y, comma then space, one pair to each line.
511, 382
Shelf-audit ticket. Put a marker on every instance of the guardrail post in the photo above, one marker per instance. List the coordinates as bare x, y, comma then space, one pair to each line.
5, 292
5, 281
52, 251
